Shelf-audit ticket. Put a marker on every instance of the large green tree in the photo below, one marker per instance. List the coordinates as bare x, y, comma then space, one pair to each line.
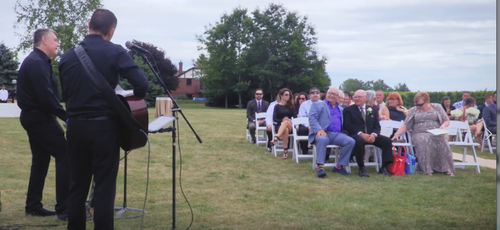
8, 65
401, 87
69, 19
227, 42
270, 49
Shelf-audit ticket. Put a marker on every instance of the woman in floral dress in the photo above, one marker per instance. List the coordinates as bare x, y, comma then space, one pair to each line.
432, 151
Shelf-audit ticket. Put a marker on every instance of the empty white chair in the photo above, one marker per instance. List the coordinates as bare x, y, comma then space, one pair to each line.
260, 131
488, 136
463, 139
297, 155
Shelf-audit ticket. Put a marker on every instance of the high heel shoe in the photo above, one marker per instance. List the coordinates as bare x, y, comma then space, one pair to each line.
274, 141
285, 153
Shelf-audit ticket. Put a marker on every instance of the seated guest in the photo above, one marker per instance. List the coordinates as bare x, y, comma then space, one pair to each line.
347, 99
460, 104
446, 104
471, 116
283, 112
14, 94
490, 115
4, 95
488, 99
394, 109
256, 106
300, 99
379, 100
432, 151
304, 112
370, 99
269, 121
325, 119
361, 123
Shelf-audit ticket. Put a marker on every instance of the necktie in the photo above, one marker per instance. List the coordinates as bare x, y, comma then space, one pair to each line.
363, 115
258, 106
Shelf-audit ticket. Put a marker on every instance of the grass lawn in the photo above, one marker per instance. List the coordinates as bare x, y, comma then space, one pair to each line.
231, 184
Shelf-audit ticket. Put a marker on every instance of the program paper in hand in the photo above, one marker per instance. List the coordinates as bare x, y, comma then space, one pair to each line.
438, 131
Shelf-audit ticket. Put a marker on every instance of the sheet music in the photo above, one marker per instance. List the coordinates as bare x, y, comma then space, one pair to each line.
125, 93
438, 131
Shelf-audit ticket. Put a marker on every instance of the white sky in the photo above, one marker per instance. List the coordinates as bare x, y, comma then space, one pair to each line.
431, 45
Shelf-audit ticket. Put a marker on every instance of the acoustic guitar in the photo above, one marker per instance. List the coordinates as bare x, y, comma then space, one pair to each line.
132, 138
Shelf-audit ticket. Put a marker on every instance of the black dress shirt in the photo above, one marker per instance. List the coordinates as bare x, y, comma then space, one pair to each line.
82, 97
37, 87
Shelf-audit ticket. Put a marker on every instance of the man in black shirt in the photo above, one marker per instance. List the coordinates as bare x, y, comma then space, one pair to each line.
93, 126
38, 98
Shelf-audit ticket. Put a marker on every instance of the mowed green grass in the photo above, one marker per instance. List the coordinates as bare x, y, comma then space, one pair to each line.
231, 184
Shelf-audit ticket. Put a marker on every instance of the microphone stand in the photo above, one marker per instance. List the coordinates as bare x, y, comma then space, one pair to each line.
175, 108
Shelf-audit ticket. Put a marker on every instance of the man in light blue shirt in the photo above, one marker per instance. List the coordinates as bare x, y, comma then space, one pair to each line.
304, 109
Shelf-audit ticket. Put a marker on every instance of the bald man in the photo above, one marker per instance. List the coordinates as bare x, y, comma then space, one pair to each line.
361, 123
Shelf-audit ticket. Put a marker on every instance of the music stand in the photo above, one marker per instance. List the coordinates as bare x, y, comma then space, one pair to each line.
153, 127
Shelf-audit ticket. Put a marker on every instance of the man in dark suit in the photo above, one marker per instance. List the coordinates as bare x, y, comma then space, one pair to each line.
256, 106
490, 115
361, 123
488, 99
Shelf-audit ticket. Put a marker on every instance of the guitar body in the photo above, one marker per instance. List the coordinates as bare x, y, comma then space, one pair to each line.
132, 139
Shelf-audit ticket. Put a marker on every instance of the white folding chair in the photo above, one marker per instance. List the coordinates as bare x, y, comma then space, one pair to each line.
248, 137
386, 129
488, 136
333, 155
260, 131
376, 157
463, 139
297, 155
278, 147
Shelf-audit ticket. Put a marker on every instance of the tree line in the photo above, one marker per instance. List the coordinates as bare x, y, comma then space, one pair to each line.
268, 49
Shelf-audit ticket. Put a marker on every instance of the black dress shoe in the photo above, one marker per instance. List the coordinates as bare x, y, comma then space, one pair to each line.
63, 216
363, 173
384, 171
40, 212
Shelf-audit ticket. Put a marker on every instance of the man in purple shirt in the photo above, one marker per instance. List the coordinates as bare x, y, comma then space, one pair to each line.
325, 119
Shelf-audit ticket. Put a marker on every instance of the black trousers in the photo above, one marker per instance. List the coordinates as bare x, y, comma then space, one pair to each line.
46, 139
382, 142
94, 147
303, 144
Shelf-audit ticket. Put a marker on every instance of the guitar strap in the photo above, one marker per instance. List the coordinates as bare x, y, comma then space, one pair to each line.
106, 89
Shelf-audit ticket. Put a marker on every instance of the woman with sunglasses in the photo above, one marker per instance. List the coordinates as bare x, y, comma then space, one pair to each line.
394, 109
432, 151
283, 113
300, 99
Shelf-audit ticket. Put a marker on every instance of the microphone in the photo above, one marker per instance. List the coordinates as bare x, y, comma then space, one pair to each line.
133, 46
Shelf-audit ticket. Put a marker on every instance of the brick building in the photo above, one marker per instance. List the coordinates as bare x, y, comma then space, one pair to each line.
189, 83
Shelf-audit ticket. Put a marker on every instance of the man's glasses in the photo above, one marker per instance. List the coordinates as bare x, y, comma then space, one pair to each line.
419, 105
258, 94
301, 98
314, 92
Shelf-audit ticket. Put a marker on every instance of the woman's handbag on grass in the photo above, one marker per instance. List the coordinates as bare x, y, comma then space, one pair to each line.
398, 164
